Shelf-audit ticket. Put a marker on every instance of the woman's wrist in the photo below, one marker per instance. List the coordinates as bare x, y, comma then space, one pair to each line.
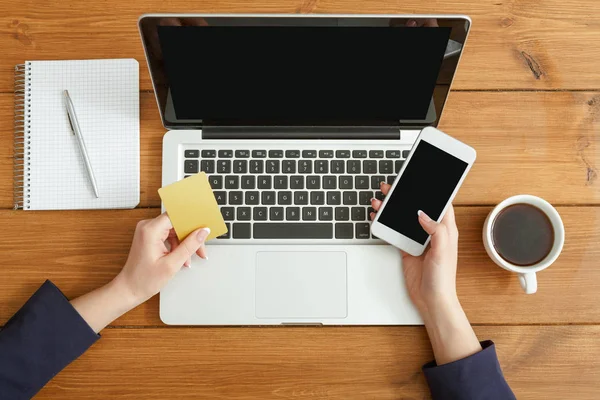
124, 294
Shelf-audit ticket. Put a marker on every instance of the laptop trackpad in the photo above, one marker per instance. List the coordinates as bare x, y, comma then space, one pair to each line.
301, 284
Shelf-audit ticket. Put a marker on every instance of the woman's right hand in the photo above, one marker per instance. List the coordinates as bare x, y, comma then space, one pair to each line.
431, 277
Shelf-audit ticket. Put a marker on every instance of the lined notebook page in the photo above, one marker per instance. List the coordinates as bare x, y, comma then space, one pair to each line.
105, 94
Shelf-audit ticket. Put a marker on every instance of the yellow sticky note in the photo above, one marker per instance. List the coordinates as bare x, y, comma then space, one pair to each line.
191, 204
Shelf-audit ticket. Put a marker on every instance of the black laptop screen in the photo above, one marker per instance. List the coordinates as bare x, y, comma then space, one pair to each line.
326, 75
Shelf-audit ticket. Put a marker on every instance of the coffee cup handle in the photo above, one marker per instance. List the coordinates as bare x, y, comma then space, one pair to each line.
528, 282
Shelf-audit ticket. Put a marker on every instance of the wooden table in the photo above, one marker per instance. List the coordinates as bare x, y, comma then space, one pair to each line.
527, 97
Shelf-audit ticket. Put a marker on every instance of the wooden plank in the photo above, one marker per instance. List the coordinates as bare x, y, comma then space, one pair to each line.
550, 44
549, 362
538, 143
81, 250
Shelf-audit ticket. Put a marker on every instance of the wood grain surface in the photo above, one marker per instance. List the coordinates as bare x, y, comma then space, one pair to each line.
540, 143
515, 44
527, 97
539, 362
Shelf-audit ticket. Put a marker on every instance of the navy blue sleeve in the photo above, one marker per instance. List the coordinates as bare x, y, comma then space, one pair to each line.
476, 377
42, 338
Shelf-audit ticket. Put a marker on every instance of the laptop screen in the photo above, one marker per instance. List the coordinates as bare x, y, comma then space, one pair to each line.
228, 71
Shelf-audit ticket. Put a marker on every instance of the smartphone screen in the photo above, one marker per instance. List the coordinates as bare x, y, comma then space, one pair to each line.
426, 184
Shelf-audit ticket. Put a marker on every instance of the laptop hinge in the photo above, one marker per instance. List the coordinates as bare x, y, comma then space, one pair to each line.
285, 132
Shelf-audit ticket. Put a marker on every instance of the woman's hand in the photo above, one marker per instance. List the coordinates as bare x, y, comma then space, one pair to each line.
431, 284
149, 267
431, 277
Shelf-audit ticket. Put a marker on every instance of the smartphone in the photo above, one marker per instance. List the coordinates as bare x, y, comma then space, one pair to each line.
428, 180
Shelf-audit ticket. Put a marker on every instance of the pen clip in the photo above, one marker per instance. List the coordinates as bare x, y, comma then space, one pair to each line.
70, 123
68, 106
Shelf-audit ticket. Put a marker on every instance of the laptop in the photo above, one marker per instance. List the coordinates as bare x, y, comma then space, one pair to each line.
296, 119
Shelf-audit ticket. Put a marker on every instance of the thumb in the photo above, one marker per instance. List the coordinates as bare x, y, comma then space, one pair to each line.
431, 227
187, 248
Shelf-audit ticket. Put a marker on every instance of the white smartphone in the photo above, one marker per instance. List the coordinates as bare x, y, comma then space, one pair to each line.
428, 180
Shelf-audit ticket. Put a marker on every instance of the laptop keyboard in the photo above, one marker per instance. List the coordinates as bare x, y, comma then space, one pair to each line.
295, 194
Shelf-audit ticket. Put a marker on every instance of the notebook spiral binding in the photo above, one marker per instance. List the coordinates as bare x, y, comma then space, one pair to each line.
21, 154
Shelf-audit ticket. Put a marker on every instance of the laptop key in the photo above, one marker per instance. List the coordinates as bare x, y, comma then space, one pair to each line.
236, 198
397, 166
301, 198
376, 154
353, 166
191, 153
305, 167
264, 182
242, 153
190, 166
207, 166
260, 213
284, 198
342, 154
359, 154
275, 153
221, 197
325, 213
248, 182
342, 214
379, 195
325, 153
240, 167
309, 153
405, 153
329, 182
227, 234
225, 153
292, 213
257, 167
242, 231
386, 167
309, 213
232, 182
317, 198
243, 214
363, 231
288, 166
361, 182
272, 166
334, 198
369, 167
268, 198
364, 198
391, 179
209, 154
345, 182
281, 182
292, 153
228, 213
337, 167
252, 198
376, 181
321, 167
216, 181
259, 153
313, 182
293, 230
297, 182
276, 214
359, 214
344, 231
392, 154
350, 198
224, 166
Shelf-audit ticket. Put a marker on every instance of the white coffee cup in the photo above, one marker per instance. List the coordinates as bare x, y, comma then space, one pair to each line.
527, 275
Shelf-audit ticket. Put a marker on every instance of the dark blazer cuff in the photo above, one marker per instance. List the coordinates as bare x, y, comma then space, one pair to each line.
478, 376
42, 338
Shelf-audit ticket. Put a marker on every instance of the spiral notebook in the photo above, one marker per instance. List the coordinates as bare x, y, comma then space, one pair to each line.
49, 169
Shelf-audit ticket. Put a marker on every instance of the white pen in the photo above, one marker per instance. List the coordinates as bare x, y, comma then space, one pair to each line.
77, 132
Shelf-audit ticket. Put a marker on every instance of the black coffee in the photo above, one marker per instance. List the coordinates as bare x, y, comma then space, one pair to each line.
522, 234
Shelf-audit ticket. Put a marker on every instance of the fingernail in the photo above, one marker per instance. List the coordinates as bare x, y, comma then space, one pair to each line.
423, 215
203, 234
381, 183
